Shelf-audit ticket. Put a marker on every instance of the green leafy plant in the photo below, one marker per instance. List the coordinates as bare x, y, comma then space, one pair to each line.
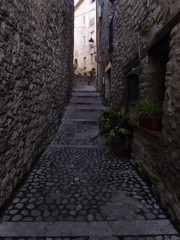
147, 109
92, 72
114, 126
75, 66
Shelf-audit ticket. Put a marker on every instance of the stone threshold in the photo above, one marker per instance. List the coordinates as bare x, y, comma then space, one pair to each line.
80, 229
80, 120
76, 146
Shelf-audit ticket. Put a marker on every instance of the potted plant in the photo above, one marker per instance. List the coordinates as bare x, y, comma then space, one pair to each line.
148, 113
115, 127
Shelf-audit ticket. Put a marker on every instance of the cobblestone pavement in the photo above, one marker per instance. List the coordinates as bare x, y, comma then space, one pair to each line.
75, 181
78, 133
74, 184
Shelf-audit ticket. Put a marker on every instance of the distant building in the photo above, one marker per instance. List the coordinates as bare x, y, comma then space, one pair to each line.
85, 30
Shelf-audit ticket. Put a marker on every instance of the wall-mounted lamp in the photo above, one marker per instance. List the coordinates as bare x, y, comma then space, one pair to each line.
91, 43
91, 40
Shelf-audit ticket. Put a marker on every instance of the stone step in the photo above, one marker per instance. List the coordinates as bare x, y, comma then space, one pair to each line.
85, 107
84, 88
71, 114
74, 91
85, 94
85, 117
85, 100
91, 229
80, 120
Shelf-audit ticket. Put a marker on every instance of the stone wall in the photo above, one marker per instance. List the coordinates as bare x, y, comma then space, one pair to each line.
36, 56
128, 16
103, 41
103, 23
156, 155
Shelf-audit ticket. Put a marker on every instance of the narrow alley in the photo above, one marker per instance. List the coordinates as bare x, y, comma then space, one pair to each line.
76, 191
79, 79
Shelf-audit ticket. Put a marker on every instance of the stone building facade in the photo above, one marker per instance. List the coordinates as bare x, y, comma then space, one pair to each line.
36, 72
145, 63
105, 13
84, 30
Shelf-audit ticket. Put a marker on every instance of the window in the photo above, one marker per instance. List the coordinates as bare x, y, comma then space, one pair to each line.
91, 58
76, 61
158, 57
133, 87
92, 1
132, 80
92, 21
92, 35
84, 60
84, 39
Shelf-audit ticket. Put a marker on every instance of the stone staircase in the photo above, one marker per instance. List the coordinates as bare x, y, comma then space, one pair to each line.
84, 106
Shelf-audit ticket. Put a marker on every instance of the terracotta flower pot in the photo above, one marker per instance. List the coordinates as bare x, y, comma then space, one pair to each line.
117, 148
153, 124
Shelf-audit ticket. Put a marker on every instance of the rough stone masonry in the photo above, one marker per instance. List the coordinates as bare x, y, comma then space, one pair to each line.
157, 67
36, 51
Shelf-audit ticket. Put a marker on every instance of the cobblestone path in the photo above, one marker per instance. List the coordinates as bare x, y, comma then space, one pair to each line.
76, 191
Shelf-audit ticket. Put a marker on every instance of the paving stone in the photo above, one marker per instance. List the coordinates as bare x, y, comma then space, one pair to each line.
90, 217
30, 206
150, 216
72, 213
55, 213
175, 238
16, 200
35, 213
159, 238
19, 205
7, 218
24, 212
50, 184
13, 212
16, 218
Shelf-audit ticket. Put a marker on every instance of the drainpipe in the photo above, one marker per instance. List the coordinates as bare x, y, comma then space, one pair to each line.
139, 27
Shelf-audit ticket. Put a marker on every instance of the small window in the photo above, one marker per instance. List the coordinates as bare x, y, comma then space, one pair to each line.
84, 60
91, 58
92, 21
158, 59
76, 61
84, 39
92, 35
132, 91
133, 87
